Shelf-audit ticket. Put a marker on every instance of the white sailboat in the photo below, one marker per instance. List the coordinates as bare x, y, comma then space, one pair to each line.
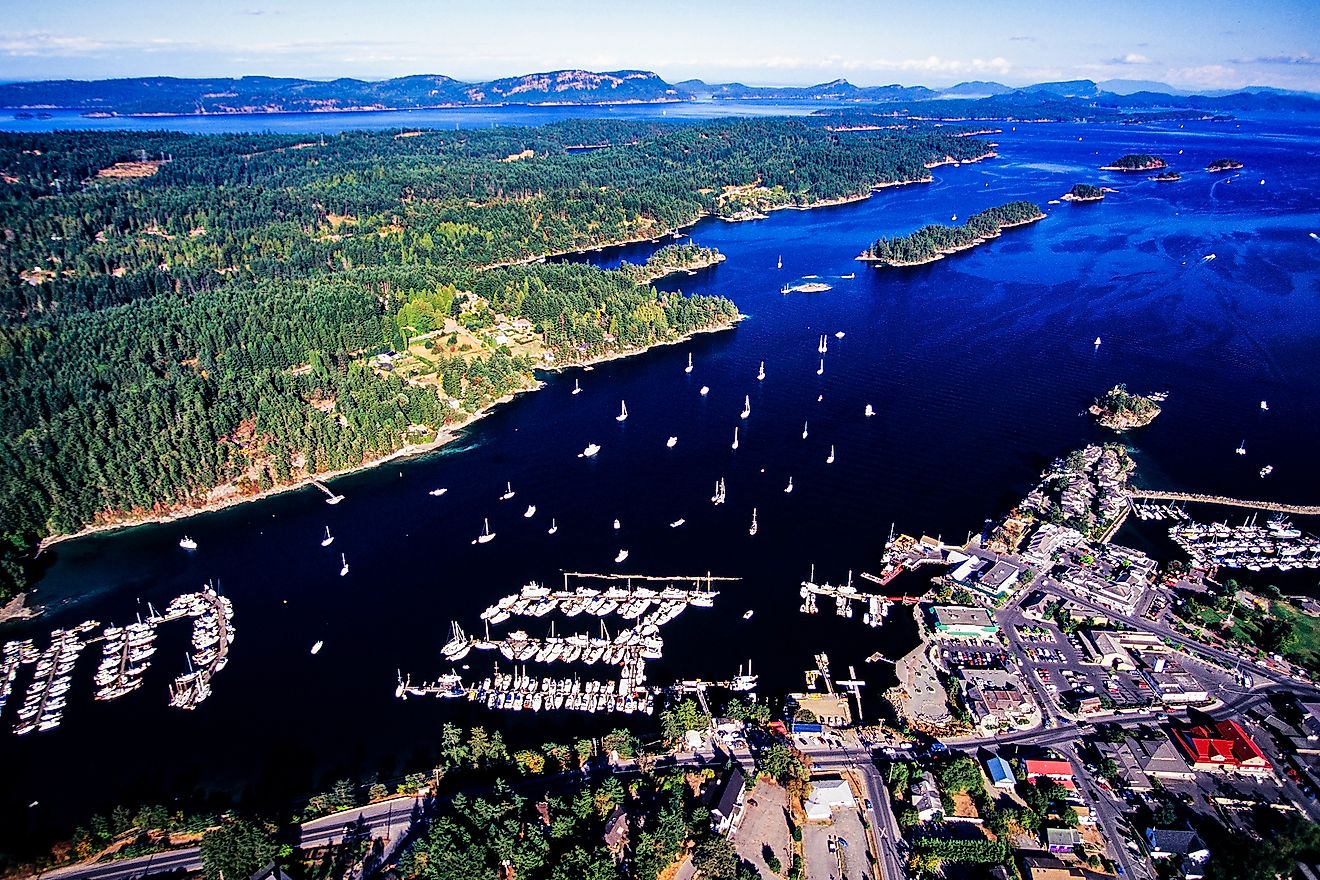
508, 492
676, 523
623, 554
820, 371
830, 460
688, 368
623, 412
824, 344
486, 534
554, 526
1097, 342
438, 492
718, 497
344, 569
747, 407
705, 389
1242, 448
671, 442
760, 374
577, 387
804, 430
789, 487
187, 543
735, 437
590, 451
752, 529
530, 511
780, 264
316, 649
328, 539
869, 411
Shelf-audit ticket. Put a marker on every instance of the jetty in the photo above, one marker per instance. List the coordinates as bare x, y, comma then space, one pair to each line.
331, 497
1273, 506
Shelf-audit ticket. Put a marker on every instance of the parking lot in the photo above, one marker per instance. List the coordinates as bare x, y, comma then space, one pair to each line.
837, 850
764, 823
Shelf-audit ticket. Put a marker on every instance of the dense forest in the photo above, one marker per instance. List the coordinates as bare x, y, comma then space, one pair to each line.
932, 242
186, 318
1136, 162
1085, 192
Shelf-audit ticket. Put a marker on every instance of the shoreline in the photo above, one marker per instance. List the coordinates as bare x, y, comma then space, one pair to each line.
939, 255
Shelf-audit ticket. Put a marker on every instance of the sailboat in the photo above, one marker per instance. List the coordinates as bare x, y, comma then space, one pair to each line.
623, 554
718, 497
804, 430
530, 511
328, 539
789, 487
1242, 448
486, 534
830, 460
688, 369
705, 389
554, 526
1097, 342
344, 569
623, 412
824, 344
752, 529
577, 387
316, 649
590, 451
671, 441
820, 371
187, 543
747, 406
780, 264
735, 437
437, 492
760, 374
869, 411
508, 492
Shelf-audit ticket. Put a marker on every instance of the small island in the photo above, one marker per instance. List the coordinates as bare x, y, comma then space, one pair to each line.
1167, 176
1224, 165
670, 260
1120, 410
1136, 162
934, 242
1084, 192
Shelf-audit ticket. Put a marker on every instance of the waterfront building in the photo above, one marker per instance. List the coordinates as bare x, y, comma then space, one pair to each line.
728, 810
963, 622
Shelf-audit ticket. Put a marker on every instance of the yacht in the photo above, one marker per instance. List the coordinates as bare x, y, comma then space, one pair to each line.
676, 523
735, 437
486, 534
1266, 471
830, 459
760, 374
508, 492
187, 543
438, 492
577, 387
705, 389
316, 649
554, 527
688, 368
328, 539
839, 334
1264, 407
334, 499
747, 406
623, 554
671, 441
747, 615
869, 411
623, 412
789, 487
590, 451
344, 567
752, 529
804, 430
530, 511
617, 525
1242, 448
820, 371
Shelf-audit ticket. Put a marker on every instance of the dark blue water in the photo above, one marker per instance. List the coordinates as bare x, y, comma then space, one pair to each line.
979, 367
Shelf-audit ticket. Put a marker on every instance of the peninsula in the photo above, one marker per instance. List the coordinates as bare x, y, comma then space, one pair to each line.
1084, 192
934, 242
1224, 165
1119, 409
1136, 162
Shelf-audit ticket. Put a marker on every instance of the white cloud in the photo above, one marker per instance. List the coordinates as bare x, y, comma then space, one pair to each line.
1134, 58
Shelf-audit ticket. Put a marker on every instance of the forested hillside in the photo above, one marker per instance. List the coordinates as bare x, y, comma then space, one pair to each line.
190, 318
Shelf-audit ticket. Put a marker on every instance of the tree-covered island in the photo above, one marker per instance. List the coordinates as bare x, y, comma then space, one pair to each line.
1136, 162
670, 260
1167, 176
1118, 409
1224, 165
189, 321
1084, 192
934, 242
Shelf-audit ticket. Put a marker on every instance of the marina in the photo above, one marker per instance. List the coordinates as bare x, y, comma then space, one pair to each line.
1275, 545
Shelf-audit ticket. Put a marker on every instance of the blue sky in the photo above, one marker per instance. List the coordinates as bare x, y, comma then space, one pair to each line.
1203, 44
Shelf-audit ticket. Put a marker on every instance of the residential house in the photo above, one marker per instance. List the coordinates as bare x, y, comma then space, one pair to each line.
1041, 866
1062, 840
1165, 843
728, 809
616, 834
1001, 773
926, 798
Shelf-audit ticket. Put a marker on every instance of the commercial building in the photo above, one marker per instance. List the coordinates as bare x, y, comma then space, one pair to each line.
963, 622
1001, 773
827, 795
1223, 746
1140, 761
1060, 771
996, 699
1062, 840
1170, 682
1113, 649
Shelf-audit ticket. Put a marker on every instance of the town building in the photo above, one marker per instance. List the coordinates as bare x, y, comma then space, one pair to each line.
1113, 649
1140, 761
995, 698
1165, 843
1060, 771
1000, 772
827, 795
1222, 746
963, 622
728, 810
1062, 840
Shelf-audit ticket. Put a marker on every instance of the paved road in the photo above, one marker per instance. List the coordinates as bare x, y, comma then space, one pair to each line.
881, 815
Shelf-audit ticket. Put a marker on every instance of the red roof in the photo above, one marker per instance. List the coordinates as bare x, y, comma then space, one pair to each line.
1059, 771
1224, 744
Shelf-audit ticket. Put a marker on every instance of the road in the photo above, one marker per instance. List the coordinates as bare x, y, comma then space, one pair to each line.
881, 815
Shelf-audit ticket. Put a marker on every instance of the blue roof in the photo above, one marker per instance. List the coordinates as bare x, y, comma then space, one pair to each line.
1000, 771
807, 727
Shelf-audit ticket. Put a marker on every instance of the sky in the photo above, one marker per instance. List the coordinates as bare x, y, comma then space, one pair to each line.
1206, 44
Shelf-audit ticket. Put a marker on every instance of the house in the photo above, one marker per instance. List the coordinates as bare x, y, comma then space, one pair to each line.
270, 872
1222, 746
1060, 771
1062, 840
828, 795
1141, 760
926, 798
727, 812
963, 622
1165, 843
1001, 773
616, 834
1040, 866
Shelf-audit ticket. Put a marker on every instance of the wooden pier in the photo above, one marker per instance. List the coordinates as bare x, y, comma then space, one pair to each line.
1275, 506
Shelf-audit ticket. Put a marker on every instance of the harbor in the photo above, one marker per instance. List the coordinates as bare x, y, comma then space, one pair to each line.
1275, 545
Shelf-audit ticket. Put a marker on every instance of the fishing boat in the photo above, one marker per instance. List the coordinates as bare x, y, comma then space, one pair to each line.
590, 451
830, 459
804, 430
438, 492
671, 441
554, 527
1242, 448
820, 371
1264, 407
328, 539
344, 567
577, 387
747, 407
508, 492
187, 543
735, 437
760, 374
869, 411
789, 487
1266, 471
705, 389
623, 412
530, 511
676, 523
623, 554
688, 368
752, 529
486, 533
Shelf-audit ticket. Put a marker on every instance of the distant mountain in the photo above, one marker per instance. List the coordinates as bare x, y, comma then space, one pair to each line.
835, 90
975, 89
1075, 88
1128, 86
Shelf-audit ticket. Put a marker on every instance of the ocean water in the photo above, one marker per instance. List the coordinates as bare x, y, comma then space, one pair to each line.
979, 366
